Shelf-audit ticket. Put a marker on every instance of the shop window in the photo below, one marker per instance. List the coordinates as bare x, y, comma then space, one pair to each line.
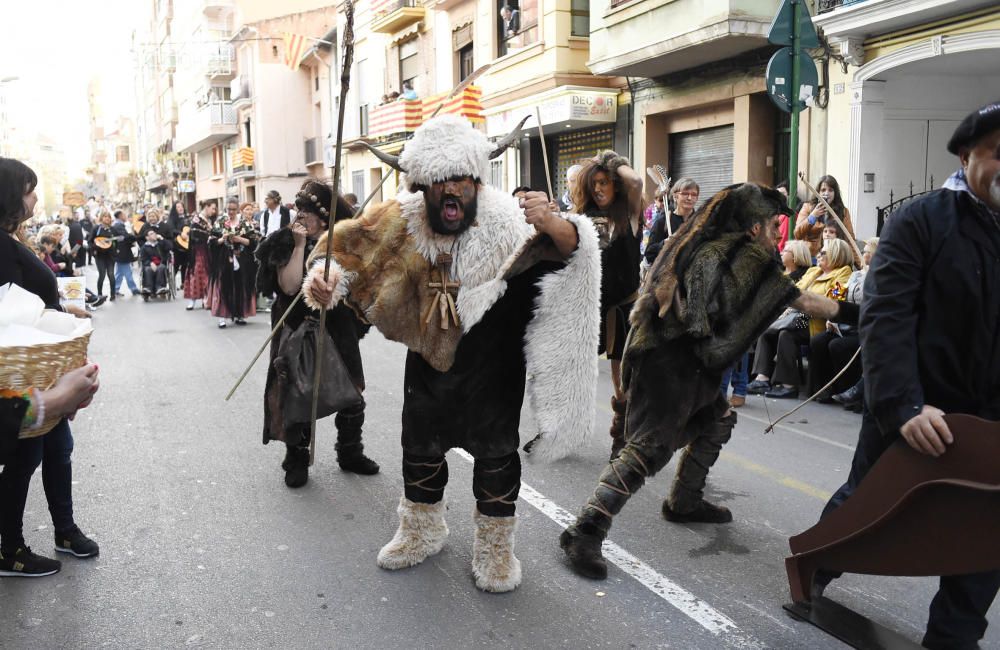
517, 24
580, 11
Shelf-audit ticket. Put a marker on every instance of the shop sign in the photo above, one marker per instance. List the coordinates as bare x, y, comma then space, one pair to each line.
580, 107
185, 186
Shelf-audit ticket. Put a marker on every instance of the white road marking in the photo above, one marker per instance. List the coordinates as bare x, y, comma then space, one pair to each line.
684, 601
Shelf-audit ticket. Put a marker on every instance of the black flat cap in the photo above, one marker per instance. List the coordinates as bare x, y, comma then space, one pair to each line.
974, 126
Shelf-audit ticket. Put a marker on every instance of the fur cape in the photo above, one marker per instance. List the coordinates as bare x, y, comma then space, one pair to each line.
385, 259
712, 283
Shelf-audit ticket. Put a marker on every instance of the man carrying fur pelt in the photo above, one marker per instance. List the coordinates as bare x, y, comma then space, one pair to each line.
712, 290
484, 292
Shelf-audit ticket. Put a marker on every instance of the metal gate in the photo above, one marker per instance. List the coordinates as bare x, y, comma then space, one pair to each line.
706, 156
571, 148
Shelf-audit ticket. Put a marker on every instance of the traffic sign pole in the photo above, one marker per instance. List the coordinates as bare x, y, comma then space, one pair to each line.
793, 145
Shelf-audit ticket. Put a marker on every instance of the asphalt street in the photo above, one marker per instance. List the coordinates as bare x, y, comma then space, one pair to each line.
203, 545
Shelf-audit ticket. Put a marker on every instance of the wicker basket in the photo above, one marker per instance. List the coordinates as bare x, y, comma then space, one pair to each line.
41, 366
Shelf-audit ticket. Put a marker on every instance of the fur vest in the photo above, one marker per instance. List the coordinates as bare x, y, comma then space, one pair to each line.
386, 260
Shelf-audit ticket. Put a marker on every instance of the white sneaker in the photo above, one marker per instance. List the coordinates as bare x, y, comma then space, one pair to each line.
190, 305
222, 323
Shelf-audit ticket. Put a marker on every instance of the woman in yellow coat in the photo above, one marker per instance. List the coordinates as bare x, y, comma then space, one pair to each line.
778, 348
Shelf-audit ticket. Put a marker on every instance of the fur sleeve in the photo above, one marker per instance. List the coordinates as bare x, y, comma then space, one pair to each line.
338, 275
272, 254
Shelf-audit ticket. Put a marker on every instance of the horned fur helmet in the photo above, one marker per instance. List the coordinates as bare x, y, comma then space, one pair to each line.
446, 147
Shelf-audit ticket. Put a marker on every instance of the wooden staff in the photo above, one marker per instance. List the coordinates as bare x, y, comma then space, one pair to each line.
545, 153
345, 83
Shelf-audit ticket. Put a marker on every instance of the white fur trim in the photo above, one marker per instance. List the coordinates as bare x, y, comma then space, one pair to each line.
494, 564
422, 532
445, 147
337, 274
561, 349
479, 253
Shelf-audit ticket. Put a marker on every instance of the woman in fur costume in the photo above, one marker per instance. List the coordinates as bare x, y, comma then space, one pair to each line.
484, 292
609, 192
282, 258
712, 291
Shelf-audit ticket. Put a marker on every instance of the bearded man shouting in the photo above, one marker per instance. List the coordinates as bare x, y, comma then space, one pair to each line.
483, 292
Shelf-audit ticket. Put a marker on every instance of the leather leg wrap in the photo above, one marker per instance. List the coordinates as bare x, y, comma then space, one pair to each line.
496, 483
692, 471
349, 423
424, 478
622, 478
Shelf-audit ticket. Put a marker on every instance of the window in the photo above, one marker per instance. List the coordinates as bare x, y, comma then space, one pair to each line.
358, 183
465, 66
580, 11
246, 133
517, 24
122, 154
409, 65
218, 160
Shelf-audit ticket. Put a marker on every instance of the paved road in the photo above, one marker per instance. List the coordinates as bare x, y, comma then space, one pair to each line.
203, 545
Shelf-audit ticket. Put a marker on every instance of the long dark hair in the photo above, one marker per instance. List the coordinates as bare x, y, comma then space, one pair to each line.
16, 181
175, 216
838, 201
583, 199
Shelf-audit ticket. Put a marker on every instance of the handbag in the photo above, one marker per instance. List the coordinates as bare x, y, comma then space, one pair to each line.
792, 319
297, 352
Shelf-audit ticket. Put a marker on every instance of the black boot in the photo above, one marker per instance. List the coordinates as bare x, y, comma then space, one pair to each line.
618, 406
296, 466
583, 550
350, 450
581, 542
686, 502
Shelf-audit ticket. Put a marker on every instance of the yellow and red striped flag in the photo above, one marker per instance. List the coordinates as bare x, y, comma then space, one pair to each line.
295, 45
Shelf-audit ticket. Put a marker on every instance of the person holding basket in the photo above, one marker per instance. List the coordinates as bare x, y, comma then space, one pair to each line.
27, 410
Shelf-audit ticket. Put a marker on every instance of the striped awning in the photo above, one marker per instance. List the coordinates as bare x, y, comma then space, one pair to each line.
468, 104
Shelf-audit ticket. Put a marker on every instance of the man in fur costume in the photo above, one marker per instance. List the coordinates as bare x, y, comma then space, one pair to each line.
483, 291
282, 265
712, 290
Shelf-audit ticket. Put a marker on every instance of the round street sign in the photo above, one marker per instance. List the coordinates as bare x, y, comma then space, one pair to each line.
779, 79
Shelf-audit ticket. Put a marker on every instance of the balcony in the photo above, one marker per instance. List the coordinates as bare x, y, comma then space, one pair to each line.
651, 38
213, 8
242, 161
220, 62
391, 16
404, 116
314, 151
205, 125
857, 20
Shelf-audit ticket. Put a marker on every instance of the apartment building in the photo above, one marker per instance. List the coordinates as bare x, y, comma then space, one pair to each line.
913, 71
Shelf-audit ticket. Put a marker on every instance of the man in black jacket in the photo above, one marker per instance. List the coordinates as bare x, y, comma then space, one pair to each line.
123, 252
930, 331
76, 239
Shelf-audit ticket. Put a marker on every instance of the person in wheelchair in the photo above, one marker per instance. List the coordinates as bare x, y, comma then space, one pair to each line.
154, 257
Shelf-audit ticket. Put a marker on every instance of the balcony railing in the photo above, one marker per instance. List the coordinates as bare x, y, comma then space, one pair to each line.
389, 16
405, 115
205, 125
242, 160
219, 61
314, 151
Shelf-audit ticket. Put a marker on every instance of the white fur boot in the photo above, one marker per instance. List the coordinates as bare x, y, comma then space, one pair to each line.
421, 533
494, 565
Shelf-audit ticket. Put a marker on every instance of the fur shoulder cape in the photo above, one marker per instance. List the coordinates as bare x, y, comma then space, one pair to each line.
712, 284
386, 260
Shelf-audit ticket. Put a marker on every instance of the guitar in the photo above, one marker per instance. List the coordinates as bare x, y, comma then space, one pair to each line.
182, 239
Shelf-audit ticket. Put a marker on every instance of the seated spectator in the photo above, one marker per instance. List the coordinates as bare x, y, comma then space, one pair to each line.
153, 256
852, 397
796, 259
775, 365
47, 253
813, 219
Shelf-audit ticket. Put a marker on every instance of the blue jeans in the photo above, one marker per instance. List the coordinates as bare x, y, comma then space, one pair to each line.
738, 373
124, 269
53, 451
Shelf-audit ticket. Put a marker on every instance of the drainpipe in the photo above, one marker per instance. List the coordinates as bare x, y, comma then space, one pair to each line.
631, 119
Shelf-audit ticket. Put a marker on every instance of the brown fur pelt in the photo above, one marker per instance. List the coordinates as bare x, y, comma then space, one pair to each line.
390, 288
712, 283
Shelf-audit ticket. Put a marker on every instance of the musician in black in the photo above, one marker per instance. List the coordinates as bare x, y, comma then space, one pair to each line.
103, 245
